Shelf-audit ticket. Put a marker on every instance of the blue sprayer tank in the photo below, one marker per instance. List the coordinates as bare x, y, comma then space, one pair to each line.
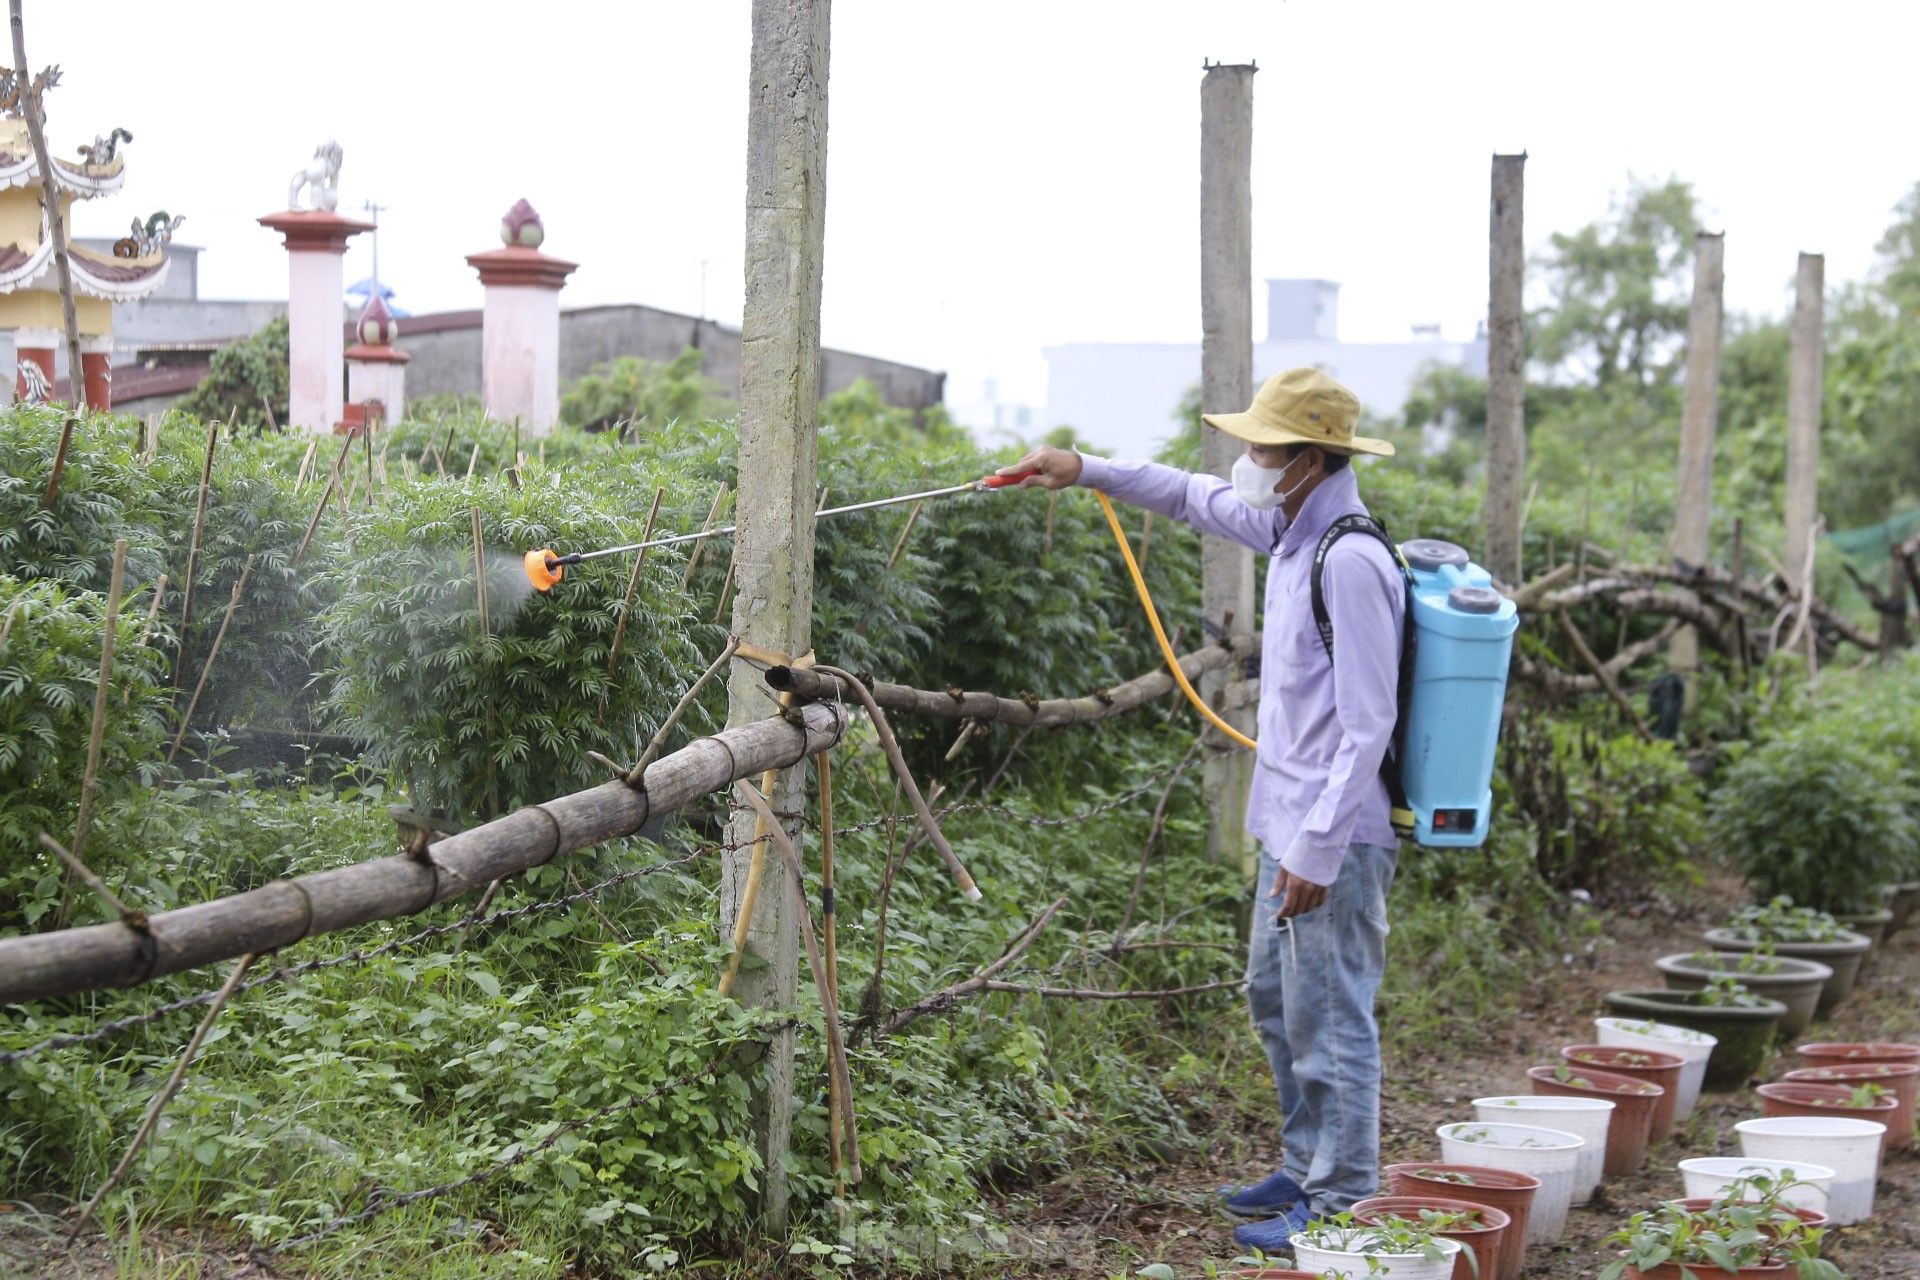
1465, 631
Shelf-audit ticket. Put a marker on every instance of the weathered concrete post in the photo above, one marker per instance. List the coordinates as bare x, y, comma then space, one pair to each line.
1805, 379
1226, 386
779, 448
1699, 419
1506, 371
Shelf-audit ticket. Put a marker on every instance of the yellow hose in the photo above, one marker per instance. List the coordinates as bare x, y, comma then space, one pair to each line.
1159, 632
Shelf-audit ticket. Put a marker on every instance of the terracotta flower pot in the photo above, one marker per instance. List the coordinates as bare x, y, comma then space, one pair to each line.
1482, 1240
1808, 1217
1511, 1193
1650, 1065
1633, 1104
1901, 1079
1705, 1271
1840, 1053
1273, 1273
1824, 1101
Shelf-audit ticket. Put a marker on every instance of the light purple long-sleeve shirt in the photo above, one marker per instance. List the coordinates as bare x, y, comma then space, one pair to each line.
1323, 728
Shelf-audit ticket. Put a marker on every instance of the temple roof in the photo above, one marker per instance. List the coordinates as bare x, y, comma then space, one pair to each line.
115, 279
84, 181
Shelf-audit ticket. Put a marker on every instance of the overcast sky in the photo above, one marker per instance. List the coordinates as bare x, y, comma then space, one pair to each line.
1001, 176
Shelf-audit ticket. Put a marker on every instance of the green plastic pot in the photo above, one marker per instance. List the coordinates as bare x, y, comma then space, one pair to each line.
1843, 957
1901, 900
1744, 1034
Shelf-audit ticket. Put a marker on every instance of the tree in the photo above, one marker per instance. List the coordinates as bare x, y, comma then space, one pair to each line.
248, 381
1620, 289
645, 393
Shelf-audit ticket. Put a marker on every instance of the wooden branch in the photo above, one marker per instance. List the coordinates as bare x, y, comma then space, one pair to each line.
33, 109
1091, 993
1527, 598
193, 544
97, 734
165, 1095
1556, 681
956, 705
978, 982
277, 915
1607, 682
186, 717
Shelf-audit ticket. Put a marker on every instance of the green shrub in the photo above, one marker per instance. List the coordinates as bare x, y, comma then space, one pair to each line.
644, 395
49, 669
247, 384
1818, 815
479, 722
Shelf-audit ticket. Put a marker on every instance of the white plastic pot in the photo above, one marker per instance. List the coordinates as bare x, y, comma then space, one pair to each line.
1710, 1175
1551, 1155
1349, 1262
1694, 1048
1851, 1148
1585, 1118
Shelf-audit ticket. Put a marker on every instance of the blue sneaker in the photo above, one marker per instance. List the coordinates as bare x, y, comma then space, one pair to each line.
1277, 1194
1273, 1238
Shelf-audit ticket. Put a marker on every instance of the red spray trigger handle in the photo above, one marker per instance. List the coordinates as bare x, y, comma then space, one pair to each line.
1001, 482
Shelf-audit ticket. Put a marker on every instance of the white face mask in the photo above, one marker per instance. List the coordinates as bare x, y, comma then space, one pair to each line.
1258, 486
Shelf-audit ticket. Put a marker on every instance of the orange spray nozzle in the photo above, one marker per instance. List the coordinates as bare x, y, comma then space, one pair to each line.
543, 569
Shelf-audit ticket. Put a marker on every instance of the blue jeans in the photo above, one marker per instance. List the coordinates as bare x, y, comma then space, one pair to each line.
1310, 987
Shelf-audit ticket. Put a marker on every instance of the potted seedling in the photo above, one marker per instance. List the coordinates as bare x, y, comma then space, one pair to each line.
1633, 1103
1511, 1193
1792, 981
1476, 1226
1728, 1238
1650, 1065
1900, 1079
1341, 1245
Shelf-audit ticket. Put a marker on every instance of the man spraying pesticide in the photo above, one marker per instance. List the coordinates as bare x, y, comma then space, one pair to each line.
1337, 672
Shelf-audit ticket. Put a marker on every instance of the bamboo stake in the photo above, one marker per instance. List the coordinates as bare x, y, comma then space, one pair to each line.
700, 543
320, 508
906, 531
823, 767
6, 627
440, 454
75, 867
108, 633
306, 463
633, 585
473, 459
193, 546
165, 1095
59, 462
480, 572
687, 699
218, 636
153, 612
839, 1075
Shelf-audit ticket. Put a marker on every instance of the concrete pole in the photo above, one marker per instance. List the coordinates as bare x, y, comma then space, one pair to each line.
1699, 418
779, 449
1506, 371
1805, 378
1226, 386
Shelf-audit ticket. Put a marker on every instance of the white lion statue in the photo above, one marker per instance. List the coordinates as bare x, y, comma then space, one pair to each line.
321, 178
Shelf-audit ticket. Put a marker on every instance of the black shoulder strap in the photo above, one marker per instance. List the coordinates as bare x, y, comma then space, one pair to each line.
1399, 811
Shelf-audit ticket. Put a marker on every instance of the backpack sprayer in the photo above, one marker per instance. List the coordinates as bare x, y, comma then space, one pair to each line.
1456, 648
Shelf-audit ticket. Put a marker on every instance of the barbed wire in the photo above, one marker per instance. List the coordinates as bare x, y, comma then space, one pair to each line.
381, 1204
281, 973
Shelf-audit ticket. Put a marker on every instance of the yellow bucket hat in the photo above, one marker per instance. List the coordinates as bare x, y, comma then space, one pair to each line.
1301, 406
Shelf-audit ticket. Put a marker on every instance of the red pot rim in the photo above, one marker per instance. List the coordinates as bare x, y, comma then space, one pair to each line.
1804, 1094
1877, 1050
1635, 1087
1664, 1061
1853, 1071
1396, 1204
1485, 1177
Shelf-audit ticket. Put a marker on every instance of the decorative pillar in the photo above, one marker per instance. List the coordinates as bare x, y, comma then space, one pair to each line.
316, 286
376, 370
520, 323
33, 364
96, 369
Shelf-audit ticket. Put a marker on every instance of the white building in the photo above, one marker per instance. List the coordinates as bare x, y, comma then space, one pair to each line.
1121, 395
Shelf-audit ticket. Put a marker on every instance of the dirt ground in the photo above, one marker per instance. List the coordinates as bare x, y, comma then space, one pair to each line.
1096, 1226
